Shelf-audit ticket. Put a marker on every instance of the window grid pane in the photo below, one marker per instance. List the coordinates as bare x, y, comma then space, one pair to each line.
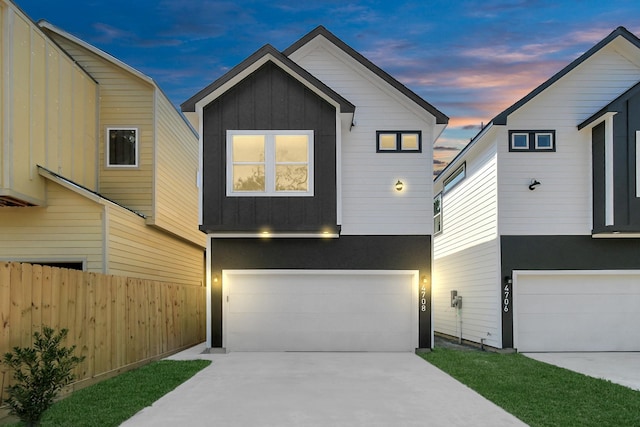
410, 142
388, 141
122, 147
520, 140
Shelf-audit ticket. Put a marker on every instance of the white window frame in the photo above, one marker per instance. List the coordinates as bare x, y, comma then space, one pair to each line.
513, 138
270, 164
537, 145
108, 148
437, 215
458, 175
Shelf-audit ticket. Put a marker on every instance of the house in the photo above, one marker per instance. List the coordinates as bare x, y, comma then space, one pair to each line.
317, 181
537, 220
98, 171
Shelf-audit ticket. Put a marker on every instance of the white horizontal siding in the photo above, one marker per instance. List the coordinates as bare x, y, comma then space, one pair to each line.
370, 204
562, 204
466, 253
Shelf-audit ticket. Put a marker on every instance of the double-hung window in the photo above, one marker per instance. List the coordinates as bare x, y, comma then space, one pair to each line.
437, 214
270, 163
122, 147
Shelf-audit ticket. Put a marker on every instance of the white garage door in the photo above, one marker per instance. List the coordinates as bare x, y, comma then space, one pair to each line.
320, 310
577, 310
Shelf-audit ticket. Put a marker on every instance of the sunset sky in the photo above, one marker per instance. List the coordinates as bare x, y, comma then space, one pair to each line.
470, 59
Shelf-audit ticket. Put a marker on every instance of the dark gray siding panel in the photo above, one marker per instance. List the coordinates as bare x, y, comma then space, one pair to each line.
562, 253
626, 206
269, 99
597, 150
345, 253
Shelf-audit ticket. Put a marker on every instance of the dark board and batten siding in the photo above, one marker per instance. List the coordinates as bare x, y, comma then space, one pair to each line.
345, 253
562, 253
626, 206
269, 99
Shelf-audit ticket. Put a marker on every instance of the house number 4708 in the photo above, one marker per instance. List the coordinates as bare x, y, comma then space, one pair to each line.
423, 298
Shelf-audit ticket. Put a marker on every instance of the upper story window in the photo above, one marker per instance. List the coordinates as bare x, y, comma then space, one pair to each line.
437, 214
530, 140
455, 177
269, 163
399, 141
122, 147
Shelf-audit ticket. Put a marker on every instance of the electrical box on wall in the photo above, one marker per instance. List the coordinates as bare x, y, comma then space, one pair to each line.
456, 301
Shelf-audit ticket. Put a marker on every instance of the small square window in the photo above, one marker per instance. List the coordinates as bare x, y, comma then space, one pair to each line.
544, 141
387, 141
520, 141
122, 147
399, 141
532, 140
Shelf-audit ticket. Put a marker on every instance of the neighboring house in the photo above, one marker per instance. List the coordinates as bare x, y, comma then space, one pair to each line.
98, 171
316, 201
538, 218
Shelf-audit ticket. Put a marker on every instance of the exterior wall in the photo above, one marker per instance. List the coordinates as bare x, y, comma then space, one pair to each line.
370, 204
563, 203
49, 110
125, 101
626, 203
466, 253
269, 99
137, 250
176, 165
70, 228
345, 253
563, 253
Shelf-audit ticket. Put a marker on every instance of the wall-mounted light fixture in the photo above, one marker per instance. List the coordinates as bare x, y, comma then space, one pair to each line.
534, 184
399, 185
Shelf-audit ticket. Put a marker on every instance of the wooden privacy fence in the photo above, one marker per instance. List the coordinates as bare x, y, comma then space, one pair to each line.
115, 322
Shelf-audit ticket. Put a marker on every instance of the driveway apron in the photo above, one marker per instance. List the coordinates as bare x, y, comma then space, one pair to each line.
321, 389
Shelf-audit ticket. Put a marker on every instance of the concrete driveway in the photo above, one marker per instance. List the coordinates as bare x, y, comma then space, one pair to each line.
618, 367
320, 389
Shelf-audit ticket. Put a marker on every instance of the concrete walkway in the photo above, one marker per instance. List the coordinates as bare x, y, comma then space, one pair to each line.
621, 368
320, 389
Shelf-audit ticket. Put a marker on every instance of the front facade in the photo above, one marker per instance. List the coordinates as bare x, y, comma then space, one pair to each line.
538, 217
316, 171
97, 168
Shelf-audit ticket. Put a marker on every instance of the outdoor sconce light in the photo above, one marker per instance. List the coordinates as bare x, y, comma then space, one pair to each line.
534, 184
399, 185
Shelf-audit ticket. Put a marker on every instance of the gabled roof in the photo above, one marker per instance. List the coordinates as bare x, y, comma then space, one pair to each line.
47, 26
501, 119
441, 118
268, 51
612, 106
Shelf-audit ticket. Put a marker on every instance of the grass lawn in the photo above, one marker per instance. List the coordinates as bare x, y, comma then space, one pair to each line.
540, 394
115, 400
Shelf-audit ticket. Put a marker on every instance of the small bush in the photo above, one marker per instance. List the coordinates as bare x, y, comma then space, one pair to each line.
40, 372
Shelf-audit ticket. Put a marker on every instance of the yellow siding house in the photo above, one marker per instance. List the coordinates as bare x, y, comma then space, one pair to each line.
98, 170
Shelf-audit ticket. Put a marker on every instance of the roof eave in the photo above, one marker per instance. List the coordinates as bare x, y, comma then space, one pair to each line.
440, 117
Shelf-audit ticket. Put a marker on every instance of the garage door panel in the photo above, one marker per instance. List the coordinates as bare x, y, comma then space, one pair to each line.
318, 303
541, 304
327, 311
577, 311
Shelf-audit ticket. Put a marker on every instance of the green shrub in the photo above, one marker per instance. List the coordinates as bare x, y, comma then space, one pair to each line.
39, 374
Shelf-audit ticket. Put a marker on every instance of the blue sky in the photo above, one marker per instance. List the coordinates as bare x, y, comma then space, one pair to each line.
470, 59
